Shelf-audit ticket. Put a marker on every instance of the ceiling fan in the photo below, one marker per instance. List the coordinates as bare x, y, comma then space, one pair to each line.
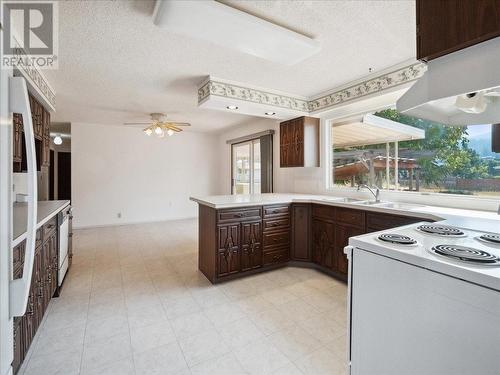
159, 125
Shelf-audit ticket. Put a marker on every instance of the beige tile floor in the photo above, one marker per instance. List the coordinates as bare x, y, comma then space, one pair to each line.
134, 302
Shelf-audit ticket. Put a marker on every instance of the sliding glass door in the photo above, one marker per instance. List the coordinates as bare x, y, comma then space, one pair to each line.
246, 174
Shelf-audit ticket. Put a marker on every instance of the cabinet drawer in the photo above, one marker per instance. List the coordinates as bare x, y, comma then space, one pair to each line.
275, 239
326, 212
49, 227
276, 257
239, 214
352, 217
376, 221
275, 224
271, 211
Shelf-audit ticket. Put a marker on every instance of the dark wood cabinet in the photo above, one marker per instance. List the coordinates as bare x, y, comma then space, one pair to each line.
331, 228
251, 245
241, 241
229, 249
376, 221
301, 232
323, 243
495, 138
276, 235
342, 235
43, 286
446, 26
299, 142
17, 146
41, 129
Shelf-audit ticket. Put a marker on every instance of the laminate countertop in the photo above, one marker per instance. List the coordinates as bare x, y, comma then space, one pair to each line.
486, 221
45, 211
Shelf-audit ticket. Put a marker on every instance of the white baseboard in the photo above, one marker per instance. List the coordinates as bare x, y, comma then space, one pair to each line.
83, 227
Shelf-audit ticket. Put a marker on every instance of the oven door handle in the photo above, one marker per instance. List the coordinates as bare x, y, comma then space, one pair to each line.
19, 103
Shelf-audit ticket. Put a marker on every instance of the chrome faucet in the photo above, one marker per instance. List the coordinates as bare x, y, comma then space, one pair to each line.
375, 193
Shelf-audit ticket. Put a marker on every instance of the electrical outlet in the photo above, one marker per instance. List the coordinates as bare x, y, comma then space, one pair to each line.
119, 215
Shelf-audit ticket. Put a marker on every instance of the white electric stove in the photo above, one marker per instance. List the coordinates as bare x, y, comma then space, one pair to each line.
424, 299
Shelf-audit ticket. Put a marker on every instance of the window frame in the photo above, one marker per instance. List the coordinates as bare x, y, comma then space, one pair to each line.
421, 197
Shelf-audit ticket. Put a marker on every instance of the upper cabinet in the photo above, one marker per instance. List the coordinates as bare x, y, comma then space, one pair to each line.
446, 26
299, 142
41, 130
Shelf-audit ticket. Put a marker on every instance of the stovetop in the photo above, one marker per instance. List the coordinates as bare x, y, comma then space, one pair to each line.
466, 254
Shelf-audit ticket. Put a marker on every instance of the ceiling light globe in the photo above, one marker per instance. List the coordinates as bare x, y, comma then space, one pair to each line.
58, 140
158, 130
170, 132
148, 131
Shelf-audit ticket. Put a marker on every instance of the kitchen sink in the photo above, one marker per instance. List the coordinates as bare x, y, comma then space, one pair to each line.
371, 203
346, 200
398, 205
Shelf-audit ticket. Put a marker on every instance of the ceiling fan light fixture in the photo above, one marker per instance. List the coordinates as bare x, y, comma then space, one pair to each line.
170, 132
148, 131
158, 130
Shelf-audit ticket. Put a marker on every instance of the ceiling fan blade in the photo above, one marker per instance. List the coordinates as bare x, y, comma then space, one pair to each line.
177, 123
173, 127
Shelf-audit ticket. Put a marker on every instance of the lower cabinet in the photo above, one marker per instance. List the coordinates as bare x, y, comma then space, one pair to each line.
239, 247
43, 286
301, 228
251, 245
342, 235
331, 229
228, 254
235, 242
323, 240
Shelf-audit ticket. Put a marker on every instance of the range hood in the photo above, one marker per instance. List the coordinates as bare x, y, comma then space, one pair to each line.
462, 88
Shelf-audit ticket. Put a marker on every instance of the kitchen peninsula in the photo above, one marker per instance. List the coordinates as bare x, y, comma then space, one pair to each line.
241, 235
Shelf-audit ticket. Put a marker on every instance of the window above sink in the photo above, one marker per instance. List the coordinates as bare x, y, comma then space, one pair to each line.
414, 155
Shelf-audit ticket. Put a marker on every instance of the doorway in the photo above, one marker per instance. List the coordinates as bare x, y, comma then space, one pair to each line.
64, 175
246, 167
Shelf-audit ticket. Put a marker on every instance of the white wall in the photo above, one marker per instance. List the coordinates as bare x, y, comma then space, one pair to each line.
117, 169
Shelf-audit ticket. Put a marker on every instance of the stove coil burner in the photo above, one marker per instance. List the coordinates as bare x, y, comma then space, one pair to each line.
397, 239
490, 238
466, 254
441, 230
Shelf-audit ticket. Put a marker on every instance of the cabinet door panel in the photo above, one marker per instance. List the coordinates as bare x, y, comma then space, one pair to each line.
301, 214
342, 234
228, 252
323, 243
251, 245
284, 155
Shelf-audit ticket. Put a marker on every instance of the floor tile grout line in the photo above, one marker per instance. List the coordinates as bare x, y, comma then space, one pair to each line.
87, 317
128, 323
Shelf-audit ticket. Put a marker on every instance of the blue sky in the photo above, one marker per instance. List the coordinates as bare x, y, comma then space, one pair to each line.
479, 131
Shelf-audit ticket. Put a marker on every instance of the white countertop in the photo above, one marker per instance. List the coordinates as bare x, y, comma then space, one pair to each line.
485, 221
45, 211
